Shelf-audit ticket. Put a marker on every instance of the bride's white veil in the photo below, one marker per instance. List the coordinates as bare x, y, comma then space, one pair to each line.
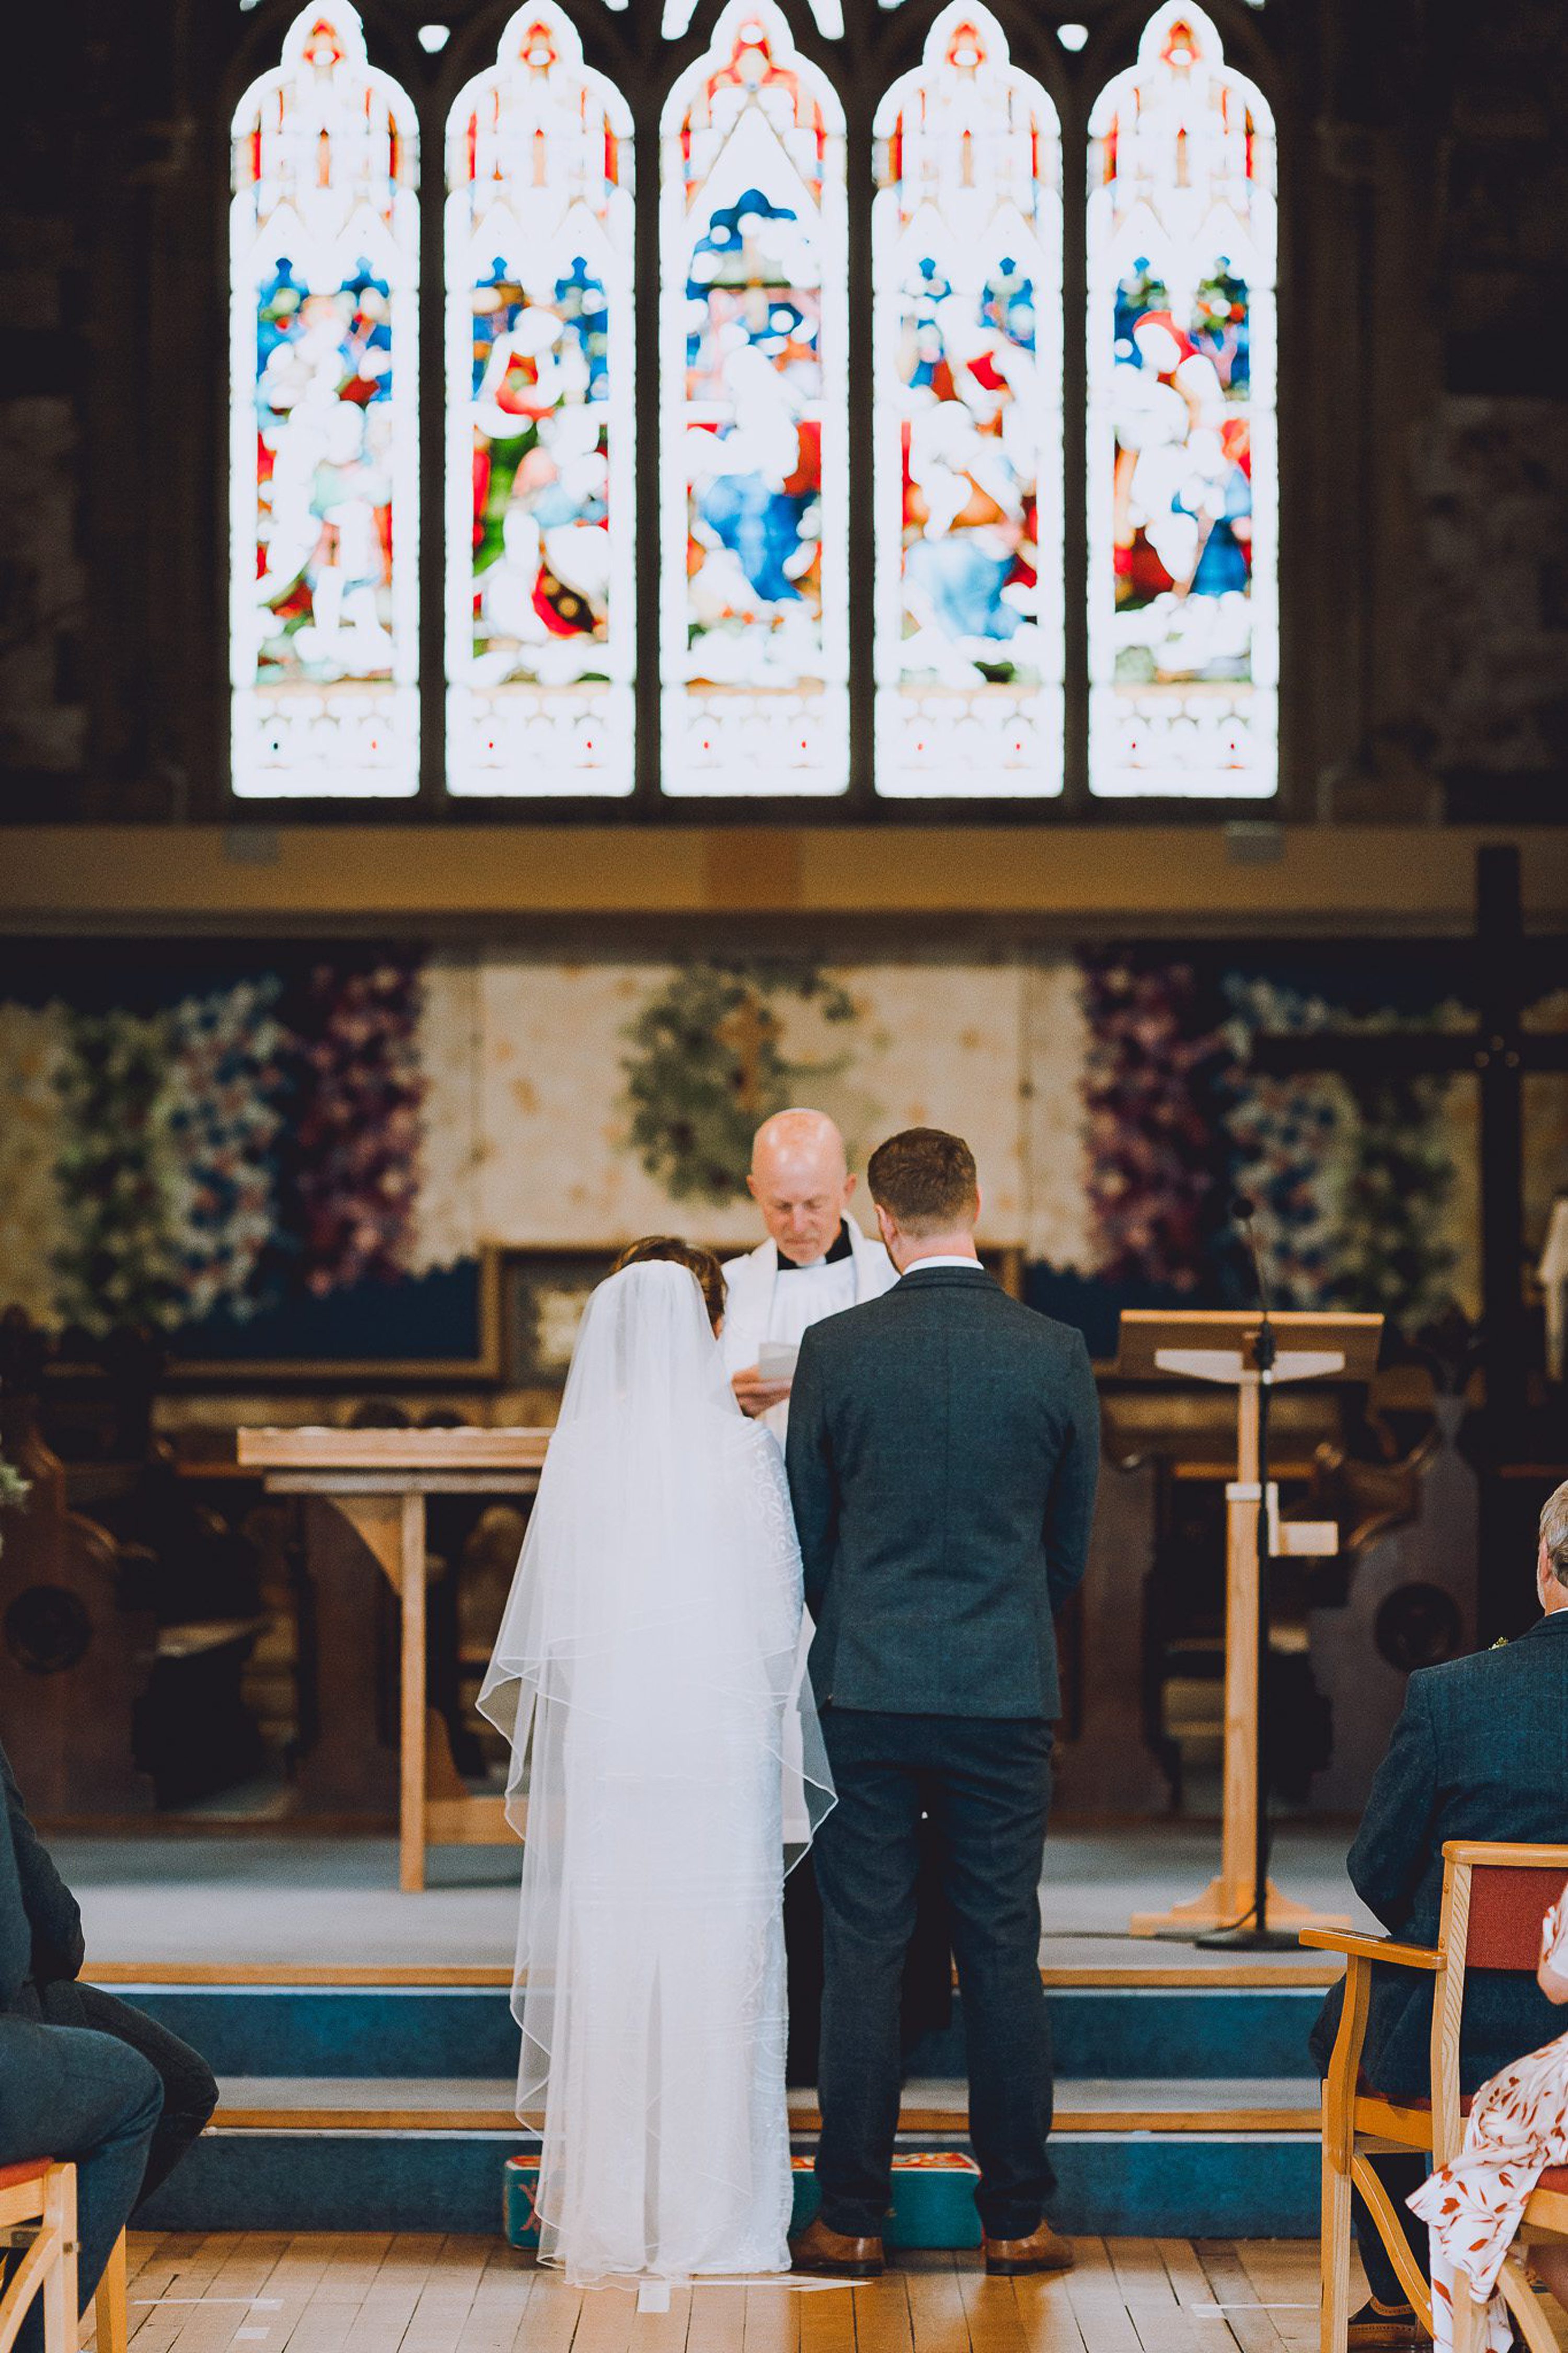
645, 1664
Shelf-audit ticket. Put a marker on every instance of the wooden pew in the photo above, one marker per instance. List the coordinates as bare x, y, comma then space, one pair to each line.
74, 1658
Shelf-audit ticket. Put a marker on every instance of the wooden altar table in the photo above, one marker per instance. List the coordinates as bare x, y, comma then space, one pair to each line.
378, 1480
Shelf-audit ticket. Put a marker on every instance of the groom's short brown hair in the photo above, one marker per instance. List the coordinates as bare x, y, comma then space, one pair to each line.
926, 1180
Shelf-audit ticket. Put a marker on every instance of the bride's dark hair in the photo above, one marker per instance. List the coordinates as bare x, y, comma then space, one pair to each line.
701, 1263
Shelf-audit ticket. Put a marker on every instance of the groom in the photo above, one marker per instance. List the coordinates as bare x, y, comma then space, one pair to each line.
943, 1450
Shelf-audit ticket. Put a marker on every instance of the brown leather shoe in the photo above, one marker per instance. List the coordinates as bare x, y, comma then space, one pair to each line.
830, 2254
1043, 2251
1373, 2329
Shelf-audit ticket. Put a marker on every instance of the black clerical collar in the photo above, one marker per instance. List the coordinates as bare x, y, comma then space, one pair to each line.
842, 1248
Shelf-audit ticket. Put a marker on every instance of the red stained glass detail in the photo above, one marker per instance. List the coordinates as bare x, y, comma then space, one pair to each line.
322, 48
966, 49
1181, 50
807, 474
538, 51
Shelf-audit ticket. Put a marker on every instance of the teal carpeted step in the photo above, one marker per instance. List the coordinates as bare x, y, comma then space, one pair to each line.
1175, 2156
1138, 2184
1116, 2031
1185, 2106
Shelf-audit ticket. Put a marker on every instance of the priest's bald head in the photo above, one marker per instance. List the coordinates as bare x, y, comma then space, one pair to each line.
800, 1180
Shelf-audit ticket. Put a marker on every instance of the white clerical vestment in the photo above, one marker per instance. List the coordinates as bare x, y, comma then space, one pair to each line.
763, 1301
766, 1302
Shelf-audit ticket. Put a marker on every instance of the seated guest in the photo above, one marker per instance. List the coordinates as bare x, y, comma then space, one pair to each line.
82, 2076
1477, 1753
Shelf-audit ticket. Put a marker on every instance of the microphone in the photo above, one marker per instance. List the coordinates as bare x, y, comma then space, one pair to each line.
1243, 1210
1252, 1932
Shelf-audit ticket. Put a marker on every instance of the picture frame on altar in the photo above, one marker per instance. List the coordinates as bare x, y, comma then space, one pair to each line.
1008, 1263
543, 1294
543, 1291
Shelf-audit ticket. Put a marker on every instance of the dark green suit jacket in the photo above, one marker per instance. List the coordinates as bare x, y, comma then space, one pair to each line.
943, 1450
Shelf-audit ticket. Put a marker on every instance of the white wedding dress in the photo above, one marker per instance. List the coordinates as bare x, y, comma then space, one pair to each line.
644, 1667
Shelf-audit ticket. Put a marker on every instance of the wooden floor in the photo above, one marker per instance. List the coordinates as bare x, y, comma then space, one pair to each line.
415, 2295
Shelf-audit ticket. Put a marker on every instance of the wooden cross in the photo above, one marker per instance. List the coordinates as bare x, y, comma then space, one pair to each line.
1501, 1051
748, 1031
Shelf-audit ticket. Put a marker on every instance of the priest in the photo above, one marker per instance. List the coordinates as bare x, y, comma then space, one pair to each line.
815, 1261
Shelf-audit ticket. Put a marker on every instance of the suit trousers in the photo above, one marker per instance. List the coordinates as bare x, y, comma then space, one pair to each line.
985, 1785
190, 2089
927, 2004
70, 2094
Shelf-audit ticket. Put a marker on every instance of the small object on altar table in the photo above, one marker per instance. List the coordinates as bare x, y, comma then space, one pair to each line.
776, 1360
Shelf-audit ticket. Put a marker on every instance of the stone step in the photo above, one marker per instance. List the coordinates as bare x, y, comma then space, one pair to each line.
932, 2107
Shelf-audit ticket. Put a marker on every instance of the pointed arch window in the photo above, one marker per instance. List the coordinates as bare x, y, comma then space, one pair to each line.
324, 464
753, 356
827, 14
673, 620
1182, 460
967, 273
540, 588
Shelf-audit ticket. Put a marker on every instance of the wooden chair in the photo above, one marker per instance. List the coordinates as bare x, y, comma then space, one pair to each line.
109, 2304
38, 2215
1495, 1897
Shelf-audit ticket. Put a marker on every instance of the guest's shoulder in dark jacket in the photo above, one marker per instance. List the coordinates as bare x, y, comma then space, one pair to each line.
1480, 1751
40, 1922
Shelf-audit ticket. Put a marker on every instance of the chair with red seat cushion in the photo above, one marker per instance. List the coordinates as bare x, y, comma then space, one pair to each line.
37, 2199
1495, 1898
37, 2208
32, 2169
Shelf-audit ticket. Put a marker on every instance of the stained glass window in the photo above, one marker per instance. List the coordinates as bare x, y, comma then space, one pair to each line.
753, 637
967, 245
828, 15
324, 477
540, 591
1182, 466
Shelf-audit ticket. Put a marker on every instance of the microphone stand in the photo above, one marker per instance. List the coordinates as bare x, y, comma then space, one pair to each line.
1252, 1933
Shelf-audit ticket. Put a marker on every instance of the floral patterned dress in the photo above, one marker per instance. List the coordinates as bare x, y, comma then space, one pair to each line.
1518, 2126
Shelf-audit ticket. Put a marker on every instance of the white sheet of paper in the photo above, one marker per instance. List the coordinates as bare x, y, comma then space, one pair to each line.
776, 1360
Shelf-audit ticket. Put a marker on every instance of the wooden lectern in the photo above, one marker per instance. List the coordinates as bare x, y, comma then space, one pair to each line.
1218, 1346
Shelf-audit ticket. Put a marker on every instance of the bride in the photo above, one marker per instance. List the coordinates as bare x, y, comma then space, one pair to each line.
643, 1671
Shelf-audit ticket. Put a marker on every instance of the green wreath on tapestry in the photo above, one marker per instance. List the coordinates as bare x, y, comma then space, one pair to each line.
707, 1066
